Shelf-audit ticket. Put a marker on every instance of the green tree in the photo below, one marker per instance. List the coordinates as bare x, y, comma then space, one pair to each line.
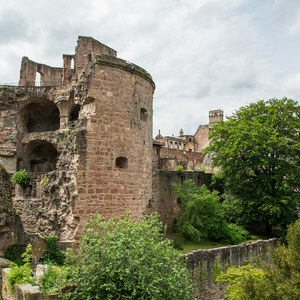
281, 280
258, 152
124, 259
201, 215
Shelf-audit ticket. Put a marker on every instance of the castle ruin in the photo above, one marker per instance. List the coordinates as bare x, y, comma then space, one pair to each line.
84, 132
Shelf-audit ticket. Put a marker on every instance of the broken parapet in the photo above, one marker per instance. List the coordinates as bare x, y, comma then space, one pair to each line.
203, 263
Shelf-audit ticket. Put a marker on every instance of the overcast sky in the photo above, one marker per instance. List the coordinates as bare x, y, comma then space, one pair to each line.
202, 54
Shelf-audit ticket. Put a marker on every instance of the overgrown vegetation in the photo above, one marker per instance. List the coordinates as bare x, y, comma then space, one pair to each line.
21, 178
278, 281
124, 259
52, 280
53, 254
21, 274
179, 169
201, 215
257, 151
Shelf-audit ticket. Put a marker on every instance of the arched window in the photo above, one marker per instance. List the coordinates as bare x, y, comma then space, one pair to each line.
75, 112
39, 116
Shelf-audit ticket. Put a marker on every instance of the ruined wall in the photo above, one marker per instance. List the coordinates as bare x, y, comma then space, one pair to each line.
8, 108
164, 200
8, 230
87, 143
201, 264
11, 227
87, 49
171, 158
49, 76
201, 138
116, 175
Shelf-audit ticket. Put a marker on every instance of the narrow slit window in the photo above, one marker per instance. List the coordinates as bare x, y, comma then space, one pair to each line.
38, 79
143, 114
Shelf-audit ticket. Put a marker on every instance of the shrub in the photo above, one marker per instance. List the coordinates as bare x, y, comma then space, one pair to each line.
234, 234
124, 259
21, 178
21, 274
178, 242
179, 169
52, 280
238, 278
280, 280
201, 215
53, 254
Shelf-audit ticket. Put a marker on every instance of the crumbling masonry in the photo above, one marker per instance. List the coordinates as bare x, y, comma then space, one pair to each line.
85, 135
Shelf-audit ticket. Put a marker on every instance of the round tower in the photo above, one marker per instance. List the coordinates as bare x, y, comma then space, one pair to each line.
115, 170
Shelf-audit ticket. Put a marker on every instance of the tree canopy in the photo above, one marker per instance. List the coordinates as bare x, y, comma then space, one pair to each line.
258, 152
201, 215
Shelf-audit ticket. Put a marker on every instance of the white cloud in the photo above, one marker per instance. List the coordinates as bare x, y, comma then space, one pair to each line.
203, 55
287, 14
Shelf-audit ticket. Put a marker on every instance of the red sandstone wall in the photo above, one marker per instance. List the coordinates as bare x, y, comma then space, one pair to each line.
171, 158
87, 48
115, 129
49, 76
201, 138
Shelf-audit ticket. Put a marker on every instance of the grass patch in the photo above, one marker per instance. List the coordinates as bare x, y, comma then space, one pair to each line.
189, 246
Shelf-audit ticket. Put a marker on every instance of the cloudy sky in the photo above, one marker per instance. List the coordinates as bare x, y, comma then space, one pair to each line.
202, 54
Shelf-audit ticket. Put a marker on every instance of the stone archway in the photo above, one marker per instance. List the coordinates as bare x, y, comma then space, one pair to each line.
39, 116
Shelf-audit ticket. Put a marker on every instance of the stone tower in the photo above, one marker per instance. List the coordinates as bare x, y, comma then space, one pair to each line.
85, 136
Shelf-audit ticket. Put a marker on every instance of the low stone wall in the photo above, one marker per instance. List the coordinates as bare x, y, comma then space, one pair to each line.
202, 263
23, 291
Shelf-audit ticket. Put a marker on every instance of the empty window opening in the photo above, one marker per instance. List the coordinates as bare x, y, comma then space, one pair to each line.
75, 112
72, 64
182, 179
199, 183
38, 79
42, 156
144, 114
39, 116
90, 57
122, 162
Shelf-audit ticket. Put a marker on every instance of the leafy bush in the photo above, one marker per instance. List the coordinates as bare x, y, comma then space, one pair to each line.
21, 274
21, 178
179, 169
53, 254
52, 280
239, 279
178, 242
234, 234
124, 259
201, 215
277, 281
